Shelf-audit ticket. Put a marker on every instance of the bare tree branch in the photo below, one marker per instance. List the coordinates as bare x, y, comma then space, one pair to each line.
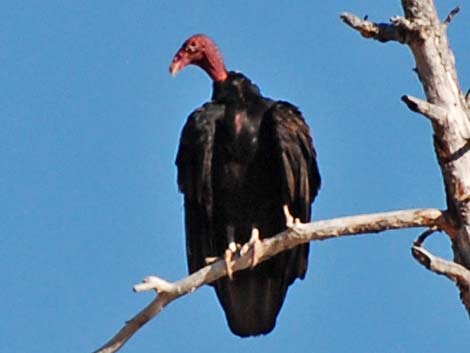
450, 269
432, 111
382, 32
455, 272
399, 29
297, 234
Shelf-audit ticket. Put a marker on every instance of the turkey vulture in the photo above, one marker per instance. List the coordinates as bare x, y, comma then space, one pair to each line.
243, 162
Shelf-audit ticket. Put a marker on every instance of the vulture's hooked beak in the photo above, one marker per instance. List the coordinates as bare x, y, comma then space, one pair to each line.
175, 67
179, 62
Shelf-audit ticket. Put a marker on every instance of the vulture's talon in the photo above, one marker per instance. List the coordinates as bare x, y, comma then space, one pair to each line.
230, 253
254, 243
234, 247
290, 222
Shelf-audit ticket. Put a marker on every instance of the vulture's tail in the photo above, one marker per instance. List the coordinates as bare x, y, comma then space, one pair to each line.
251, 302
253, 298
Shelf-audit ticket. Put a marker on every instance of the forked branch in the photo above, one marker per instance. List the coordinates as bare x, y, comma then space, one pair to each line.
297, 234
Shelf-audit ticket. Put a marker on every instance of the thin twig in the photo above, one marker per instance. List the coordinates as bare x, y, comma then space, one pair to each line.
420, 240
451, 15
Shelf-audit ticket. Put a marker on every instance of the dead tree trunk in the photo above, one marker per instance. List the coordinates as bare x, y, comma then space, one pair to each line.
447, 109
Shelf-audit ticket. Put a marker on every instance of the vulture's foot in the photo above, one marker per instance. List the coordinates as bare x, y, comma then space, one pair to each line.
254, 244
230, 254
291, 222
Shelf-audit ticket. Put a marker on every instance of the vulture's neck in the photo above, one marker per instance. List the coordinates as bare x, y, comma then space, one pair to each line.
236, 88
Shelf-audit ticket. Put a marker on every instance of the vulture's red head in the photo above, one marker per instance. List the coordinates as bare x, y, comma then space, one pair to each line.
201, 51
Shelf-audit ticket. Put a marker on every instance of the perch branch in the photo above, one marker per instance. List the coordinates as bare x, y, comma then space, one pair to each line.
293, 236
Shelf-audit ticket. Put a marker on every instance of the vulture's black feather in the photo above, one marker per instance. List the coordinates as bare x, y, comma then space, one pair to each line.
241, 158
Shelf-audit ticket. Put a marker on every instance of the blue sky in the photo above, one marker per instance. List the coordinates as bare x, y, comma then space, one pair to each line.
89, 205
